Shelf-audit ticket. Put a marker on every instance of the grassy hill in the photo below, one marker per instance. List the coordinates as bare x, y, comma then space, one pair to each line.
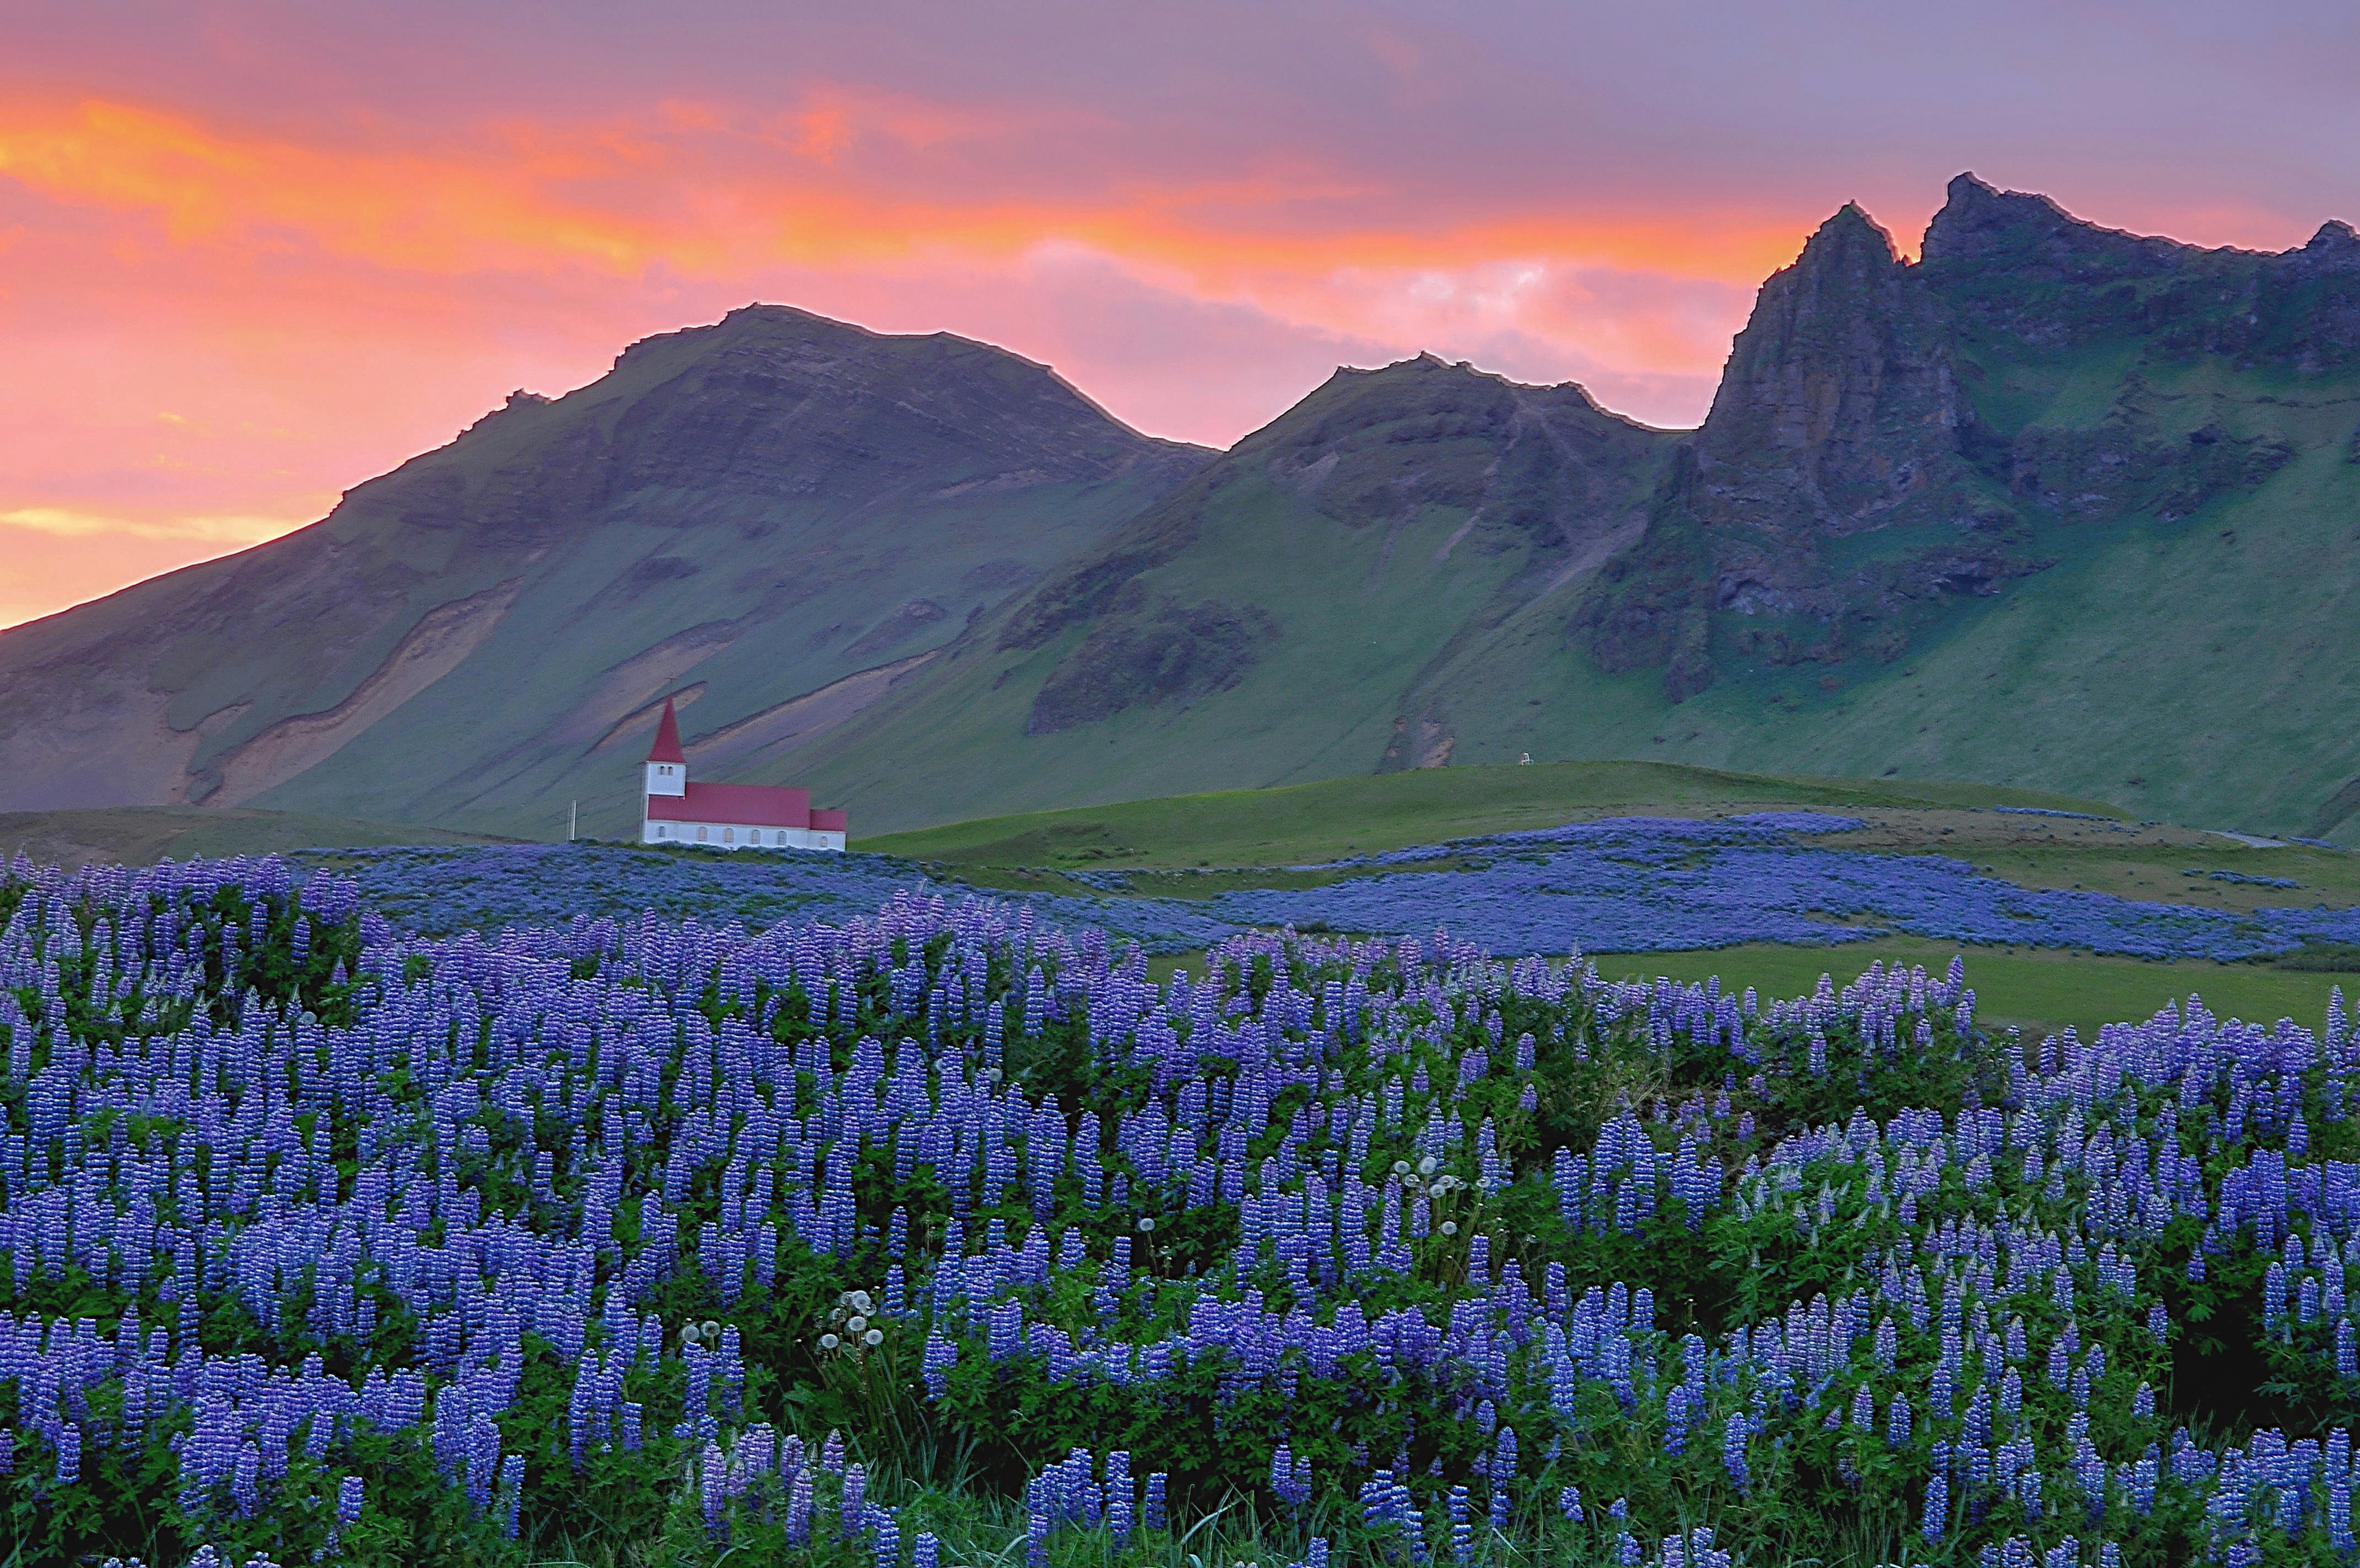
142, 835
1259, 626
1368, 815
1206, 844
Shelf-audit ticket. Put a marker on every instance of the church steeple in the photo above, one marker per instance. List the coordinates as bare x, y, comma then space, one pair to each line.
667, 764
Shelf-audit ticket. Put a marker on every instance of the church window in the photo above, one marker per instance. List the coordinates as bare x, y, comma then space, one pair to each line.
700, 836
729, 835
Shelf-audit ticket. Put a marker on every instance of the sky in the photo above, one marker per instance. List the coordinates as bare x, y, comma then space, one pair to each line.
252, 253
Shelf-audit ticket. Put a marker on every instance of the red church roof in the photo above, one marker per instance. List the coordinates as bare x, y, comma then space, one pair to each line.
667, 747
734, 805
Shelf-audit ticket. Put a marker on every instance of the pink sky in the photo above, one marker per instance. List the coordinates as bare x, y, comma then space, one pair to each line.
253, 253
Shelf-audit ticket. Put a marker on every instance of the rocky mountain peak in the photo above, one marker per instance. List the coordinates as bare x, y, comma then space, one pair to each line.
2031, 235
1839, 401
2335, 249
1849, 238
771, 407
1976, 215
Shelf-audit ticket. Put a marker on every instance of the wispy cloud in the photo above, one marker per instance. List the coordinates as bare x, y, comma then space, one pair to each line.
716, 190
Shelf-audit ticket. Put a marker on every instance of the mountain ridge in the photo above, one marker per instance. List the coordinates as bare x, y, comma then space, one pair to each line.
2053, 505
1899, 455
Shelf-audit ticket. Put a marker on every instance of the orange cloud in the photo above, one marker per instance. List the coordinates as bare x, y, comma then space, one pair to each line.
706, 193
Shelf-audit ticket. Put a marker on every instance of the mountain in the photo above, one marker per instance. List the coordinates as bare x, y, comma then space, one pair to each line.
774, 517
2053, 507
2056, 507
1277, 618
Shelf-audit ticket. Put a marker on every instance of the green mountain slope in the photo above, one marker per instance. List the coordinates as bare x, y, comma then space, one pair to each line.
1277, 618
2059, 507
2055, 507
2114, 556
774, 517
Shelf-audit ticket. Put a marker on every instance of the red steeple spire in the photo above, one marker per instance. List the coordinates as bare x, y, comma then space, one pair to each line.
667, 747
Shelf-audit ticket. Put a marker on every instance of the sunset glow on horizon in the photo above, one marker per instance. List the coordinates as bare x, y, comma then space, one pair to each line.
253, 255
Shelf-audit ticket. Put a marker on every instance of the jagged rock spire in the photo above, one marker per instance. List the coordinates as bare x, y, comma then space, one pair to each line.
1839, 401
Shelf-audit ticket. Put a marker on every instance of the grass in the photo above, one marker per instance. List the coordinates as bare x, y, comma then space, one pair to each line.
1391, 811
142, 835
1362, 611
2039, 990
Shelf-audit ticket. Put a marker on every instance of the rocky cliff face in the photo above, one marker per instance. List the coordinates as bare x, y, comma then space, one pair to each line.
2019, 268
1841, 408
1851, 408
1841, 413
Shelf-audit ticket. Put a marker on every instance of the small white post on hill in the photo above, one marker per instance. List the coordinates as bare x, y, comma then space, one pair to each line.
572, 818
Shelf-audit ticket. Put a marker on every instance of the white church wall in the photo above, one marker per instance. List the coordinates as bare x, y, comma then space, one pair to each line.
736, 835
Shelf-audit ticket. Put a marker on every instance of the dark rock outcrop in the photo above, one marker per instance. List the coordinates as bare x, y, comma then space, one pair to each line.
1151, 654
898, 627
1841, 407
1850, 406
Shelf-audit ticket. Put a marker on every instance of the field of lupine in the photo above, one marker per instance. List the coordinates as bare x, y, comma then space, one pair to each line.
1615, 885
1657, 884
436, 891
937, 1236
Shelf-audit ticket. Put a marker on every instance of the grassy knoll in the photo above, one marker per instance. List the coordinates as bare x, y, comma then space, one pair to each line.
2039, 990
1389, 810
1243, 835
141, 835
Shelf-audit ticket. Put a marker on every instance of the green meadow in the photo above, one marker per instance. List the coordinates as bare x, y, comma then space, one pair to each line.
1197, 845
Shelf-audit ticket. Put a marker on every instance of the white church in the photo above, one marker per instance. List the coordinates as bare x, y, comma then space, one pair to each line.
725, 816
